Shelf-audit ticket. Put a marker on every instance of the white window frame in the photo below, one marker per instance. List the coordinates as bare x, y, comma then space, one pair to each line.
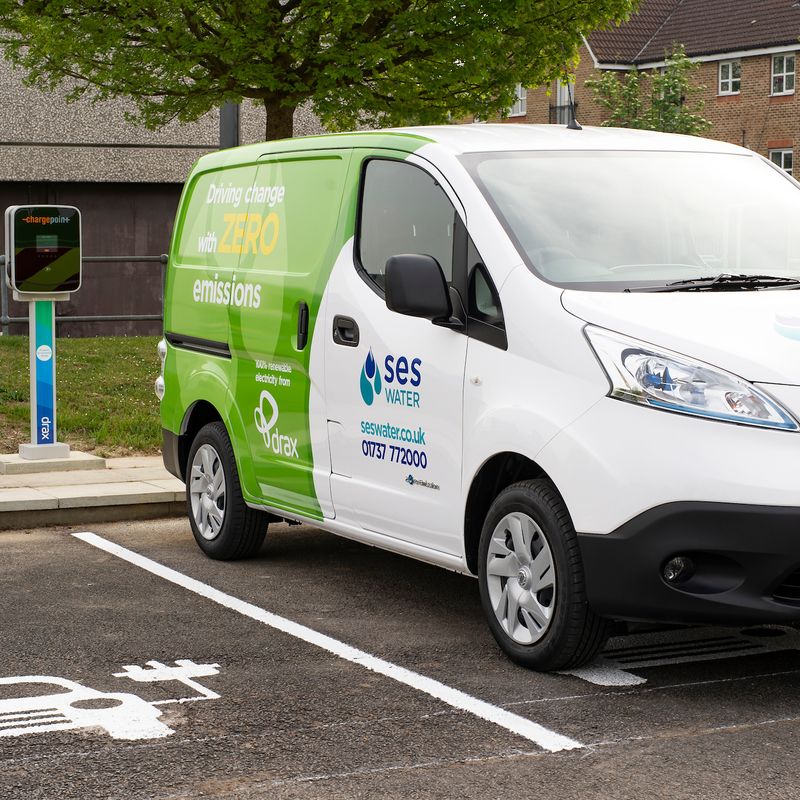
778, 158
725, 86
786, 76
563, 102
520, 107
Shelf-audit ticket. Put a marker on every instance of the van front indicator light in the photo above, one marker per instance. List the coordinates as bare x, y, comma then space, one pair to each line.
639, 373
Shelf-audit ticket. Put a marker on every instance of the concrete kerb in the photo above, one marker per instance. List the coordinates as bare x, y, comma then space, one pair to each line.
114, 489
15, 464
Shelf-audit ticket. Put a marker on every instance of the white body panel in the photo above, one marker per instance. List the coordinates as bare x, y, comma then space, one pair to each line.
748, 333
371, 489
546, 396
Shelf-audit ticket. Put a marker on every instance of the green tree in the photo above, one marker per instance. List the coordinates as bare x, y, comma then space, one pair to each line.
667, 106
386, 61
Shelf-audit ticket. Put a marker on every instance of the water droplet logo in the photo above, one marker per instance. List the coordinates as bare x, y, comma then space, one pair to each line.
370, 380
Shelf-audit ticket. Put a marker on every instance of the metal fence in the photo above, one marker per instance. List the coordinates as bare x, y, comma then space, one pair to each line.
6, 320
562, 114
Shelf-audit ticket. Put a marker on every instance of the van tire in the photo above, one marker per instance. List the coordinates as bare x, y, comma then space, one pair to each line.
233, 530
552, 626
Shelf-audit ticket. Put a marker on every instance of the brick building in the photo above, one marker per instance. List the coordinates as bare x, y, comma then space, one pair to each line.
746, 51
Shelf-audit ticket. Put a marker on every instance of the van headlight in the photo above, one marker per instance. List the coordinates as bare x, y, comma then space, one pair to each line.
671, 382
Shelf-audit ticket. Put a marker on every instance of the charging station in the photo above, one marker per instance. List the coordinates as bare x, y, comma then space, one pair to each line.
43, 266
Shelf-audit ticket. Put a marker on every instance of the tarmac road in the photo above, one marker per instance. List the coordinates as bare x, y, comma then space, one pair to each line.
253, 711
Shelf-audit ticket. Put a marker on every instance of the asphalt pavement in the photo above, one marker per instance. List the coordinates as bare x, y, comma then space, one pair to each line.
134, 667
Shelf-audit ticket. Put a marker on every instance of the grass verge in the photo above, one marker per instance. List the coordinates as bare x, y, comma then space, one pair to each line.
104, 386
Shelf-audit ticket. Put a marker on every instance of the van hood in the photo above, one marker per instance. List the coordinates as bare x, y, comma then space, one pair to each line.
755, 335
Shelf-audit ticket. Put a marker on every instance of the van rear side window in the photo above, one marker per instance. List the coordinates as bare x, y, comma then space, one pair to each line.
403, 210
217, 199
293, 234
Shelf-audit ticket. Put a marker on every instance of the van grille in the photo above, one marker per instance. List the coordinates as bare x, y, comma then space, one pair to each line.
789, 590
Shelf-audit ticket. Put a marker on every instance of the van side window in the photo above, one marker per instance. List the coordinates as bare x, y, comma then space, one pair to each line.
484, 312
484, 302
403, 210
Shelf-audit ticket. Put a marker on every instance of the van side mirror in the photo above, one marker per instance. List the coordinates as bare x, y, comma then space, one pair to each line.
415, 286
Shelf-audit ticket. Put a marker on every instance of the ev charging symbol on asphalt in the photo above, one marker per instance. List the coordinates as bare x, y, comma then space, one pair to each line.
121, 715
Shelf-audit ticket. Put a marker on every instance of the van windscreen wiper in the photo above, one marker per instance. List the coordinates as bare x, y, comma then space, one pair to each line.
724, 282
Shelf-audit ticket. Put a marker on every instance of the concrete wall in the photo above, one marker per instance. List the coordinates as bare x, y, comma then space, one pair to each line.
43, 138
125, 179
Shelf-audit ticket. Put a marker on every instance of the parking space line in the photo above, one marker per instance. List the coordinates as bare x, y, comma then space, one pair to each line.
532, 731
652, 689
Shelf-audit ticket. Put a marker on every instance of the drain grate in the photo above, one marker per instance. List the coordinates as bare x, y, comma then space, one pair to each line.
682, 646
647, 654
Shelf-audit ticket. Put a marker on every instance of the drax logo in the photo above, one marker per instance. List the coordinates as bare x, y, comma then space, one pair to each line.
398, 371
266, 418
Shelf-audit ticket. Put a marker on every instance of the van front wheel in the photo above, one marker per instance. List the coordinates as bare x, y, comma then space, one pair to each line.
222, 523
531, 581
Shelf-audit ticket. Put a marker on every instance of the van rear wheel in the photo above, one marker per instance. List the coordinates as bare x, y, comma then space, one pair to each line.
531, 581
222, 523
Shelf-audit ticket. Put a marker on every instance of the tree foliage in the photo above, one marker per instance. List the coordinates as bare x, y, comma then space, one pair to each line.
666, 106
386, 61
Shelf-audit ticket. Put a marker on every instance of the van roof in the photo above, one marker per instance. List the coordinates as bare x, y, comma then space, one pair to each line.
476, 138
481, 138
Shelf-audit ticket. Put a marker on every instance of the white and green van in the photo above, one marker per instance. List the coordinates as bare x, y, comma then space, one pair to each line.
564, 361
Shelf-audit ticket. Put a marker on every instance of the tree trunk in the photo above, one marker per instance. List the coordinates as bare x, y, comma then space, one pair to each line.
280, 121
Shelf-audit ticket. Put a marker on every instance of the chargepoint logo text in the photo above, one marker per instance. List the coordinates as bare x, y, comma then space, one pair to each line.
398, 373
266, 418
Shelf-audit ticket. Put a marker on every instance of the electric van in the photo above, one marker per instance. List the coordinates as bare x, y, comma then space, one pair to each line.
566, 362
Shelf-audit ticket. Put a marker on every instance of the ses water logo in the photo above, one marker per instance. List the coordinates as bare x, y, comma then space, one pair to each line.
398, 371
370, 380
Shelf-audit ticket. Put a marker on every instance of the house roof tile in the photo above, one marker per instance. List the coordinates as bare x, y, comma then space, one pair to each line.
703, 27
623, 44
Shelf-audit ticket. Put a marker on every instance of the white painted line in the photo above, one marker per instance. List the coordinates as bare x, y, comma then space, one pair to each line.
543, 737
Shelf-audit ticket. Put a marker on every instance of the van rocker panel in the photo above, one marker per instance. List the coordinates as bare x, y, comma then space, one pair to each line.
740, 556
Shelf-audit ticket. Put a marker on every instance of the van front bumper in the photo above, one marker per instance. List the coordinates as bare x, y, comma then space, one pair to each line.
743, 565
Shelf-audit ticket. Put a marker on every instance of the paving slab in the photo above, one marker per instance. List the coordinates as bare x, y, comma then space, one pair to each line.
14, 464
128, 462
109, 494
26, 499
133, 487
171, 484
84, 477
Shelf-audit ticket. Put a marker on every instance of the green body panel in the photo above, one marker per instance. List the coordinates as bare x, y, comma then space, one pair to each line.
257, 234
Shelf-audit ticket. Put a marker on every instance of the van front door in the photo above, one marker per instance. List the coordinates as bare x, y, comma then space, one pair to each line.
394, 383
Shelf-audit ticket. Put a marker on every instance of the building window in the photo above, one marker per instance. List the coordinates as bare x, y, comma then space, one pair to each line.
560, 112
782, 158
730, 77
783, 74
520, 107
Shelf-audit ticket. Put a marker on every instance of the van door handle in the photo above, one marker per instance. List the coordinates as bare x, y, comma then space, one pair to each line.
345, 331
302, 325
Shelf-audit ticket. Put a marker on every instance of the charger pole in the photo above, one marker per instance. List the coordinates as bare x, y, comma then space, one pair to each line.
43, 266
44, 441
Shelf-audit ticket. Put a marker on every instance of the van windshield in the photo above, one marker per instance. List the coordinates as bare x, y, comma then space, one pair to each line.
613, 221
